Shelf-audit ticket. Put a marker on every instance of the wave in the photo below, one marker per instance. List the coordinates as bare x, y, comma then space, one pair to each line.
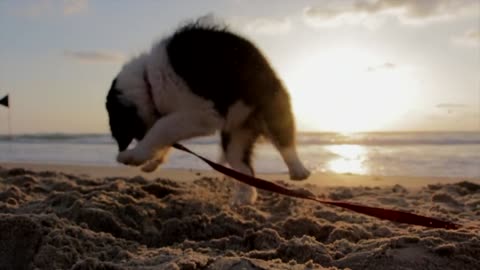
82, 138
387, 138
59, 138
391, 138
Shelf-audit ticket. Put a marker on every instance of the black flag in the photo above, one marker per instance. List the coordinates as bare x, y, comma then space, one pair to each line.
4, 101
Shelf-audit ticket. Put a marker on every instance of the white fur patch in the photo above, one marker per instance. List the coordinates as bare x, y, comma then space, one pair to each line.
170, 92
184, 114
133, 86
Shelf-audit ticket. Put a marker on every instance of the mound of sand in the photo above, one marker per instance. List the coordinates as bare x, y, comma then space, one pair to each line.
52, 220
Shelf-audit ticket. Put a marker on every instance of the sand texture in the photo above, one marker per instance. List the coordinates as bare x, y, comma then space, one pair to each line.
55, 220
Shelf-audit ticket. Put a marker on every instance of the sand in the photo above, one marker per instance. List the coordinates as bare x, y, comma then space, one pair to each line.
74, 217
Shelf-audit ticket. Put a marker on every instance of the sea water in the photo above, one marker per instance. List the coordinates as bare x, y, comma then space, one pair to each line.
442, 154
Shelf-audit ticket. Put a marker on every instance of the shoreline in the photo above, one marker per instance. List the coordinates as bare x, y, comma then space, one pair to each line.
185, 175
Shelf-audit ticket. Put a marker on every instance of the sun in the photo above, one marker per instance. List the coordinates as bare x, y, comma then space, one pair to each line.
349, 90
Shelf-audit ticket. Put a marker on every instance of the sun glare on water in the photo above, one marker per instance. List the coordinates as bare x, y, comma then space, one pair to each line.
351, 159
349, 90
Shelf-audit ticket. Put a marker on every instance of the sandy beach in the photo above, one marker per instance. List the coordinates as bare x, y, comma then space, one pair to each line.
80, 217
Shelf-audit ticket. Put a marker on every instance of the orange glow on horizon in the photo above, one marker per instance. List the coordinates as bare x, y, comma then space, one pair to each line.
350, 90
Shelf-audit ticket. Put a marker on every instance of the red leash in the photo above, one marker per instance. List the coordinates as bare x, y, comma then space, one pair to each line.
388, 214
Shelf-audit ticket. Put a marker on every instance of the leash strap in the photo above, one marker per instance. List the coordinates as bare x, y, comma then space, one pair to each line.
381, 213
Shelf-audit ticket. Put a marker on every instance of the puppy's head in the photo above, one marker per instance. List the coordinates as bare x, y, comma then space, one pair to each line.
124, 117
130, 107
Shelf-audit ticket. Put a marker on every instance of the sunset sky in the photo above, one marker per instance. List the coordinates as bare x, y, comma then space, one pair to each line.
349, 65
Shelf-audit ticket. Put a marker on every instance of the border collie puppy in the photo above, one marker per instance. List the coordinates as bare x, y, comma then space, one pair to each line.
200, 80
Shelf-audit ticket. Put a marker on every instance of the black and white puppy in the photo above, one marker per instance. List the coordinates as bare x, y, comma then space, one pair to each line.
200, 80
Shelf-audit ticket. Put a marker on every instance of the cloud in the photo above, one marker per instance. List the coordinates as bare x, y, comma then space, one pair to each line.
384, 66
94, 56
454, 120
419, 10
39, 8
259, 25
451, 107
406, 11
262, 25
469, 39
74, 6
269, 26
332, 15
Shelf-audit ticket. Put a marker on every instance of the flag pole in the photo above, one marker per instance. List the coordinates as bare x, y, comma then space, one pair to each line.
5, 101
10, 136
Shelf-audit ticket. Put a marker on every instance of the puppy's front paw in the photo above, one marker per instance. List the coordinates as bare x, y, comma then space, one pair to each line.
159, 158
134, 157
150, 166
299, 172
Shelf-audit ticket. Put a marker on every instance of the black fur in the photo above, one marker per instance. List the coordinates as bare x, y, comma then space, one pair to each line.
279, 120
222, 67
225, 139
125, 123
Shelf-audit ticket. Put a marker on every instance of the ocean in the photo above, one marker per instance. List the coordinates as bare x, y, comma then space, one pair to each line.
438, 154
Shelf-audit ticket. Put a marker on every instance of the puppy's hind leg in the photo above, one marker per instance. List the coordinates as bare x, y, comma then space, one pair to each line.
237, 146
280, 127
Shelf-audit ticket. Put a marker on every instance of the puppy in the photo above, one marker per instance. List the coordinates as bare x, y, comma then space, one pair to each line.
200, 80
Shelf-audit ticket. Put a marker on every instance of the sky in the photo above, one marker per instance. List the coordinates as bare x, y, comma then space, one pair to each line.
349, 65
